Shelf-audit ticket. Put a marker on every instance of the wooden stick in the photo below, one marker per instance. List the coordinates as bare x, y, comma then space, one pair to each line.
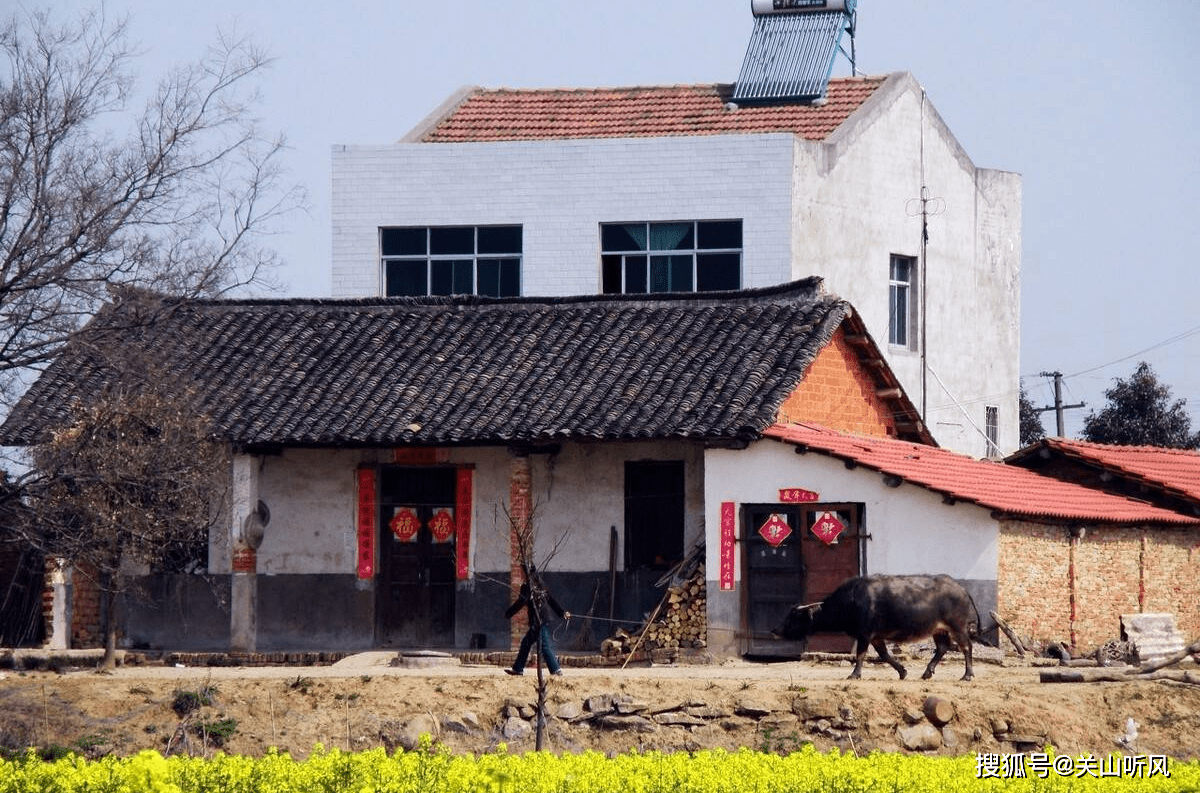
642, 635
1010, 633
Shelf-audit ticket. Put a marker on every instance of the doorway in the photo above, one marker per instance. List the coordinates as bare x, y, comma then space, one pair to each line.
788, 563
416, 571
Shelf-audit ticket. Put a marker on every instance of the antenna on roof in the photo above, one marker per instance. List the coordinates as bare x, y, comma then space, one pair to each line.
792, 49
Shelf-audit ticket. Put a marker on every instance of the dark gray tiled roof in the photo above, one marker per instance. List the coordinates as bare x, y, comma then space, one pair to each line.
469, 370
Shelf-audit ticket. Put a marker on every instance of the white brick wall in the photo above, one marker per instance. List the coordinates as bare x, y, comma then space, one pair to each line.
560, 192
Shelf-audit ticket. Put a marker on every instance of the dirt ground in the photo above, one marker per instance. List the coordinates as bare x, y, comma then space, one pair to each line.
363, 701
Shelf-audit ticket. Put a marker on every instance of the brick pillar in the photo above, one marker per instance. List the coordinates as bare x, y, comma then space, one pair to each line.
520, 511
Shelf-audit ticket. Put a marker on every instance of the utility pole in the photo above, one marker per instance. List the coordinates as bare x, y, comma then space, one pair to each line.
1058, 407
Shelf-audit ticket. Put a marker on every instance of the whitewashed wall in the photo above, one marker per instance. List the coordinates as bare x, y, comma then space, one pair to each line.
578, 495
560, 192
912, 530
856, 199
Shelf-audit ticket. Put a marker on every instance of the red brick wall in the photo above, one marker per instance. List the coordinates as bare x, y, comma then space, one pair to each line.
520, 513
86, 600
838, 393
1116, 571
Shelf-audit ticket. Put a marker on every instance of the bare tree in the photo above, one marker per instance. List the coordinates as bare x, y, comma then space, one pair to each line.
131, 486
175, 197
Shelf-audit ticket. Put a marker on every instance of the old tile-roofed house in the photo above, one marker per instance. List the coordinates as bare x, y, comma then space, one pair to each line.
1057, 560
391, 438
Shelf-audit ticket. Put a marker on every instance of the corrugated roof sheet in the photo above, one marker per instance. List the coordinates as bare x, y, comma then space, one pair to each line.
465, 369
1002, 488
1173, 470
534, 114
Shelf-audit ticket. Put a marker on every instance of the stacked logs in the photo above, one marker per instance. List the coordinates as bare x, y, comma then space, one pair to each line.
679, 621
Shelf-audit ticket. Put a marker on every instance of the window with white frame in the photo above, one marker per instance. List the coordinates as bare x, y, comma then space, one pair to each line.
991, 428
451, 260
901, 306
674, 256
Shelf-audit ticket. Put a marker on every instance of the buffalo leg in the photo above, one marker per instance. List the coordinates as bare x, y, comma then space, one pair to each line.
861, 645
942, 644
964, 643
881, 647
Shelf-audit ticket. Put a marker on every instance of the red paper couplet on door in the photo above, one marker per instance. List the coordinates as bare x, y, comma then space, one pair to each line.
462, 510
775, 530
728, 527
404, 524
441, 525
828, 527
366, 522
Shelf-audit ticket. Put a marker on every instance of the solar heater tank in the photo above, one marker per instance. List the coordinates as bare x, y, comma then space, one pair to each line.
765, 7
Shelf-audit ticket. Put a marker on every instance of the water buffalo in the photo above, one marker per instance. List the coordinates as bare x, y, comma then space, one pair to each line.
898, 608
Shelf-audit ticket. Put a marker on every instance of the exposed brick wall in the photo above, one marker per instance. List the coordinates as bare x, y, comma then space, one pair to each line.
838, 393
86, 609
520, 512
1116, 571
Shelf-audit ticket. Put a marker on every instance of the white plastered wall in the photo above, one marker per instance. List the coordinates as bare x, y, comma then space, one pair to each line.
858, 202
560, 192
912, 530
578, 495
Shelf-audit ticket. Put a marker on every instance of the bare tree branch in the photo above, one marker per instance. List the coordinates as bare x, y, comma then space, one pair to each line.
181, 202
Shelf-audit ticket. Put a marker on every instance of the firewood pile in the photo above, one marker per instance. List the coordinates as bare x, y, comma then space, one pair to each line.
680, 621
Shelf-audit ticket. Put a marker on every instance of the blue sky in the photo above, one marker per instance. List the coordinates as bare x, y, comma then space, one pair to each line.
1094, 104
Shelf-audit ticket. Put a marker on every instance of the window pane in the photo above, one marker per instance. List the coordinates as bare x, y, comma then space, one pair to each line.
510, 277
660, 274
406, 278
681, 273
900, 270
623, 237
499, 239
499, 277
898, 315
610, 275
452, 240
720, 234
671, 236
451, 277
464, 277
402, 242
635, 274
716, 271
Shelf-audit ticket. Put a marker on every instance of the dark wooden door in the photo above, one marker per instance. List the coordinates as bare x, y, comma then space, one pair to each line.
416, 579
787, 564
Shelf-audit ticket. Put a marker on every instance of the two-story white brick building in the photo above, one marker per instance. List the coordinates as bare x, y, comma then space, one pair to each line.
573, 192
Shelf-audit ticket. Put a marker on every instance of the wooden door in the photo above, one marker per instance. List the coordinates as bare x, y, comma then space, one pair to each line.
787, 564
416, 572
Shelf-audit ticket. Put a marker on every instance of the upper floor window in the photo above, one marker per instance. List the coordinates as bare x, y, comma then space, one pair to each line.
991, 428
451, 260
689, 256
901, 272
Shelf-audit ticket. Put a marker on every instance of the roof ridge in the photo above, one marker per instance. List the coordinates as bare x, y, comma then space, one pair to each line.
582, 89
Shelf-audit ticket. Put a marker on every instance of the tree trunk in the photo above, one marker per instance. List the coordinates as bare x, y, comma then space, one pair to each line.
109, 661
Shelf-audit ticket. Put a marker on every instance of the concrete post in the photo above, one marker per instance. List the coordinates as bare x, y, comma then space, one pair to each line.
243, 605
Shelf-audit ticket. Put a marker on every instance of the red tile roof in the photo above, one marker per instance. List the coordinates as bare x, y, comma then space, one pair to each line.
1173, 470
1003, 488
532, 114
